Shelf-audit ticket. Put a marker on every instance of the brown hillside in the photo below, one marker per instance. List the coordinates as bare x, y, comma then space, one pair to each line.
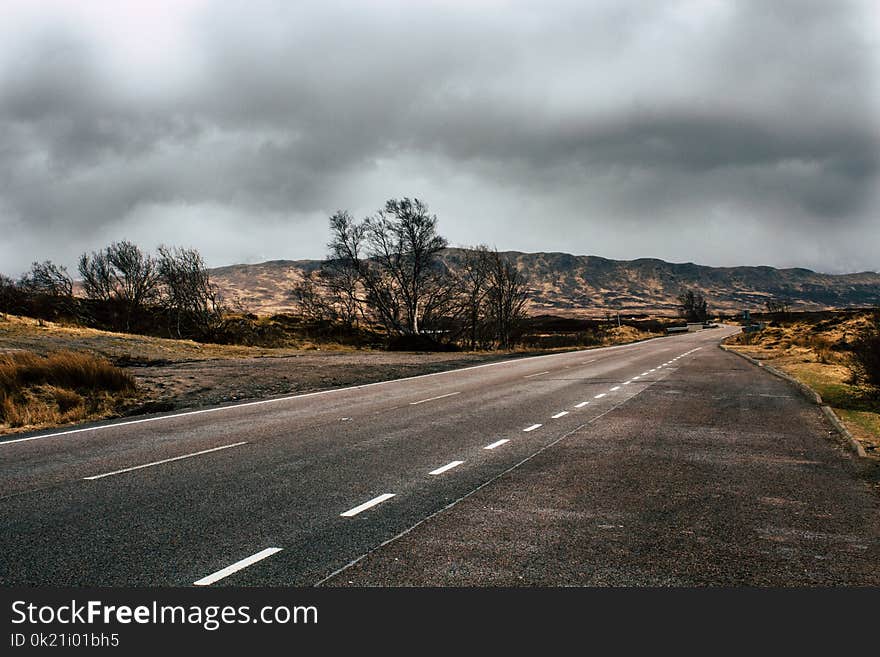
565, 284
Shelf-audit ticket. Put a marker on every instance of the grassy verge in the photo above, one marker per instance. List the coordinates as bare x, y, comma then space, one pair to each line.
817, 356
60, 388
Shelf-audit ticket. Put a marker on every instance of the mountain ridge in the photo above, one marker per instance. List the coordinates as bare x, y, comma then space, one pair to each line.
584, 285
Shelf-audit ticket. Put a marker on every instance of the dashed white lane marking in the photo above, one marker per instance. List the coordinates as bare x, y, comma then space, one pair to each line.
497, 443
366, 505
581, 405
615, 388
599, 396
176, 458
445, 468
560, 414
533, 427
422, 401
529, 376
467, 495
238, 565
626, 383
645, 373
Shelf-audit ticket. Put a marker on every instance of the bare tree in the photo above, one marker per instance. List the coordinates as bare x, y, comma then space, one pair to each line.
312, 299
389, 264
472, 277
187, 289
10, 295
121, 272
506, 297
693, 306
865, 356
344, 274
779, 308
47, 278
136, 274
403, 241
97, 275
357, 283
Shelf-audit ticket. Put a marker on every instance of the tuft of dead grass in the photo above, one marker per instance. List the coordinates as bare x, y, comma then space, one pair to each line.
62, 387
66, 369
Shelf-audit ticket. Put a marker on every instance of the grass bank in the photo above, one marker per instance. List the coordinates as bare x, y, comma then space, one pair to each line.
815, 349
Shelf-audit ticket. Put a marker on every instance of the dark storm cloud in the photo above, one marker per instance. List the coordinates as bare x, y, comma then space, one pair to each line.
534, 126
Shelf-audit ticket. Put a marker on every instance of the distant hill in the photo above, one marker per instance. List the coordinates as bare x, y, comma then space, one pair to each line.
565, 284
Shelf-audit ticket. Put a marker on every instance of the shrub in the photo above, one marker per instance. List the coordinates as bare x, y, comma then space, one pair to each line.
418, 343
866, 354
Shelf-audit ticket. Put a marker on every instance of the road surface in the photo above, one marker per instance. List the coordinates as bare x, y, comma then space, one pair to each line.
666, 462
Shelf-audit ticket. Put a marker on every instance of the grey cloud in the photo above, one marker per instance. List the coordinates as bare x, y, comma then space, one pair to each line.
613, 115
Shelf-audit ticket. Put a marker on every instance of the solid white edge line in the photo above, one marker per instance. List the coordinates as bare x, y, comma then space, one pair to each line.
533, 427
176, 458
559, 415
238, 565
497, 443
318, 392
366, 505
446, 468
422, 401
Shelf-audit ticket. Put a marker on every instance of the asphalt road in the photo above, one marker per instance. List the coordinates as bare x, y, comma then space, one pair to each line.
662, 462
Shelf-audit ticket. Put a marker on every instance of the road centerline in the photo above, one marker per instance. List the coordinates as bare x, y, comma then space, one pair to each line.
422, 401
529, 376
446, 468
366, 505
472, 492
560, 414
238, 565
533, 427
176, 458
497, 443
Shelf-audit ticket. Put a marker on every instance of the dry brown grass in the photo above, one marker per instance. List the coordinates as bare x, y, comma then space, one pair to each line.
48, 337
62, 387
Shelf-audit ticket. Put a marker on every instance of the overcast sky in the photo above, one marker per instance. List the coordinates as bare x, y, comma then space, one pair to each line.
714, 131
